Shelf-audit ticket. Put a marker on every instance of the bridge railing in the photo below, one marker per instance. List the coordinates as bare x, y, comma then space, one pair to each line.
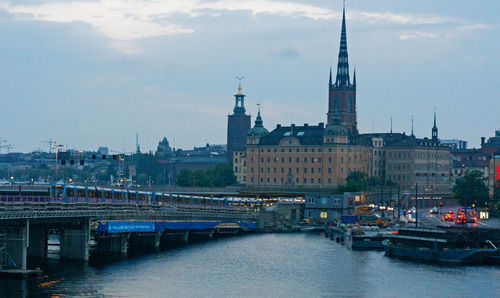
53, 209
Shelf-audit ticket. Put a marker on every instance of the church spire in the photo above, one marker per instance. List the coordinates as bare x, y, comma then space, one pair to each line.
434, 128
342, 79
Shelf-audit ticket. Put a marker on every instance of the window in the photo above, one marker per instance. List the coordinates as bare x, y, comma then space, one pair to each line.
324, 201
312, 170
297, 160
329, 159
300, 133
305, 170
287, 133
305, 159
329, 170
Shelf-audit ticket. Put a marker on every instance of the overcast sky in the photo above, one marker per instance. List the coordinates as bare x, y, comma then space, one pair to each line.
92, 73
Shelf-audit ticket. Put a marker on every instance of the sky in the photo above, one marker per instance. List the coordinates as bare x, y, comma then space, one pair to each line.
90, 73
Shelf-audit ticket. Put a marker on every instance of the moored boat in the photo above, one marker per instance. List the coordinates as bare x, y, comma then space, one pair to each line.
439, 246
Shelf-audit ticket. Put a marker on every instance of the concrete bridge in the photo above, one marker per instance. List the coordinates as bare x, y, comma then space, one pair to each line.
25, 225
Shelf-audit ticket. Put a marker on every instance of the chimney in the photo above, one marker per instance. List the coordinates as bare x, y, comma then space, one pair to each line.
321, 125
306, 125
482, 140
278, 125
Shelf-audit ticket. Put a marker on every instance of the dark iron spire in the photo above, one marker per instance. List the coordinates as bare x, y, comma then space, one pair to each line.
434, 128
342, 79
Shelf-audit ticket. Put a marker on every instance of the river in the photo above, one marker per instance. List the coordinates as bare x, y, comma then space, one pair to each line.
257, 265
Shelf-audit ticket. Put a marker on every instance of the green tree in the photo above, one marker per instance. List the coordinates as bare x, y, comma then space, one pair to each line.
471, 189
201, 178
184, 178
355, 181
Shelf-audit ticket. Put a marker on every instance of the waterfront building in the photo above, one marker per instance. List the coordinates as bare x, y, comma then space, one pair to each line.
494, 176
238, 125
330, 207
476, 158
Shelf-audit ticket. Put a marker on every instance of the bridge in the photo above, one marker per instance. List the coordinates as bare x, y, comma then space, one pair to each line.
115, 222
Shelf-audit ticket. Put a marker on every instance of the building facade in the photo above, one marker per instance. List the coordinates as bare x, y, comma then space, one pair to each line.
312, 155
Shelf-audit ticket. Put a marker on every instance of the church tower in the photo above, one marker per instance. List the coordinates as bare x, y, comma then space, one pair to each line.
435, 129
342, 93
238, 125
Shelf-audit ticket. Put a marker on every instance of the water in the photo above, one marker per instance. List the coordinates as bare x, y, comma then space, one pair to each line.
260, 265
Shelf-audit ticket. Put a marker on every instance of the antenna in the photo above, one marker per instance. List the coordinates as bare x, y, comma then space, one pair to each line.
391, 124
411, 124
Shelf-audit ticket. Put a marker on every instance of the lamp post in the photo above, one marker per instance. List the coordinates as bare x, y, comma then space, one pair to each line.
57, 165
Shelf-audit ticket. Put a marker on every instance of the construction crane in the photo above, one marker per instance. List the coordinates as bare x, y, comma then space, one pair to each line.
51, 143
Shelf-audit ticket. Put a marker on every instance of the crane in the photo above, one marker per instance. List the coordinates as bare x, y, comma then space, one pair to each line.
51, 143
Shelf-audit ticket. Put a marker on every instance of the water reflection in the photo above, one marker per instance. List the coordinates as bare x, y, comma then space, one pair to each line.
264, 265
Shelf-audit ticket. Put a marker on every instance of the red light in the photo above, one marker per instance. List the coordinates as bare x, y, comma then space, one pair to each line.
497, 172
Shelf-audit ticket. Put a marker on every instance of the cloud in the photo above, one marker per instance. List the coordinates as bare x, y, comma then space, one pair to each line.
417, 35
124, 21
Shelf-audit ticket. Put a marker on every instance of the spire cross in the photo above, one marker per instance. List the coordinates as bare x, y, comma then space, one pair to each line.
258, 108
239, 86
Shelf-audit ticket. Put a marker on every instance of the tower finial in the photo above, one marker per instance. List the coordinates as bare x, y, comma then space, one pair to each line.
239, 85
434, 116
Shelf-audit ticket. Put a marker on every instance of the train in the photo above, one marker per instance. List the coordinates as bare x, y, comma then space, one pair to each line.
98, 194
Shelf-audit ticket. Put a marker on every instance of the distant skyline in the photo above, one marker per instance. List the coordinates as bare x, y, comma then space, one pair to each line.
90, 73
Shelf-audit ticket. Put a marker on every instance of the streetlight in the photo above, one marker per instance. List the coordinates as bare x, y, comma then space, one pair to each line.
57, 151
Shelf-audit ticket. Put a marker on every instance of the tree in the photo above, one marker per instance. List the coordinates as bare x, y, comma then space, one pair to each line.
355, 181
471, 189
184, 178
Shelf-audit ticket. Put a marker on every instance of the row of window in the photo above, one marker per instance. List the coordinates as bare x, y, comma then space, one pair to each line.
303, 150
297, 180
305, 159
305, 171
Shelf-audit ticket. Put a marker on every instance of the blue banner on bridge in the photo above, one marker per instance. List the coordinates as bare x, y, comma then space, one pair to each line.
186, 225
126, 226
151, 226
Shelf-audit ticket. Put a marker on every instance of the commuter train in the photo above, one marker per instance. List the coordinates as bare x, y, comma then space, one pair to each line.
97, 194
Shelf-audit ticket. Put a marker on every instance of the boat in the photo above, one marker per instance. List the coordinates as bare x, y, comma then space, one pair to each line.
364, 238
311, 229
441, 246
